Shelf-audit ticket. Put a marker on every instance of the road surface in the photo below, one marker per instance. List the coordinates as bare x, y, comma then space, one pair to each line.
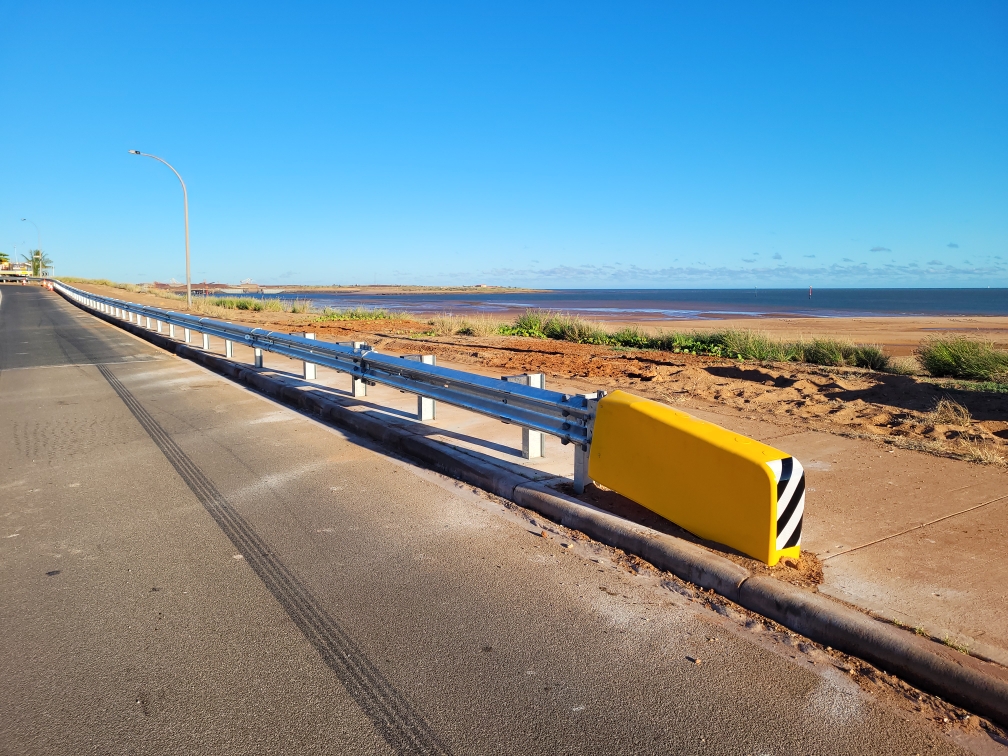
190, 568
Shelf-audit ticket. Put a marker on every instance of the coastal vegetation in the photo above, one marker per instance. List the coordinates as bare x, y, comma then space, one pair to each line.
957, 358
733, 344
356, 313
964, 358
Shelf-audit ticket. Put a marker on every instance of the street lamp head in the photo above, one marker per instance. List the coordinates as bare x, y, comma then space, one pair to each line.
134, 152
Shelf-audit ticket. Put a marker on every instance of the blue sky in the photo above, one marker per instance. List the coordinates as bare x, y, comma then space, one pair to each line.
567, 145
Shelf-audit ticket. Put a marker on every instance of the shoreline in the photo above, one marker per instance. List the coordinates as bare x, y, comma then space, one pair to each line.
898, 334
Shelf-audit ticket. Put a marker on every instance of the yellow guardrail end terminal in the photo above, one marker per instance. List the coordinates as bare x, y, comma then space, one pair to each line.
718, 485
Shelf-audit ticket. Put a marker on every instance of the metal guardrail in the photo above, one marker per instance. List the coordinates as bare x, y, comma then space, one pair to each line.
569, 417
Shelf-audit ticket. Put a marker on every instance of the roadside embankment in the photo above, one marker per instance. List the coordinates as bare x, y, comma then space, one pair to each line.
961, 419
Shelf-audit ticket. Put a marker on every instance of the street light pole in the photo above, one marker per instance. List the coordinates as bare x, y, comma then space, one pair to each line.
185, 207
39, 246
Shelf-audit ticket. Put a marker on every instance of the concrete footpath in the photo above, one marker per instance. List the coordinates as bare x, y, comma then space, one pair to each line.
911, 538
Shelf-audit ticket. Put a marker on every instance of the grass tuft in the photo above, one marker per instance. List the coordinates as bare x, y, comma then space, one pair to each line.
960, 357
903, 366
949, 412
960, 647
479, 324
356, 313
250, 304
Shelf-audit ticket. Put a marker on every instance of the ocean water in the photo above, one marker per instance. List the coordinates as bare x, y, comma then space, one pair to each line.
658, 304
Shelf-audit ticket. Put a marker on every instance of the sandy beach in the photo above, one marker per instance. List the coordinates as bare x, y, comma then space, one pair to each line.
899, 335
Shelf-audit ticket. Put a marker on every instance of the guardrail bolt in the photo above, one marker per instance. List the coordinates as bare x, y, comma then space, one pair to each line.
309, 367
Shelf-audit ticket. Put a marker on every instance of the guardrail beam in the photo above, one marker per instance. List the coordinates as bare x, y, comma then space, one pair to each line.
529, 405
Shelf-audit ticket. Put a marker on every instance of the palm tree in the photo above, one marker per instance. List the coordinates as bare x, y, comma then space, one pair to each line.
39, 261
4, 258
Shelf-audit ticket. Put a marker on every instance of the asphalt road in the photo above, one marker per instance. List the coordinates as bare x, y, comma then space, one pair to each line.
189, 568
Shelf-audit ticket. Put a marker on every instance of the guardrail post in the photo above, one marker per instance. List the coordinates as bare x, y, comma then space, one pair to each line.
171, 330
187, 335
309, 367
228, 348
258, 356
533, 441
206, 342
148, 322
583, 451
426, 407
358, 388
159, 326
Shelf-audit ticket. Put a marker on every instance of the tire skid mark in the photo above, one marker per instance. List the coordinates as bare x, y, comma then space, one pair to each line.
402, 727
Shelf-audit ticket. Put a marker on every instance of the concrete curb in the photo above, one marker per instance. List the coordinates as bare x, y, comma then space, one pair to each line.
958, 678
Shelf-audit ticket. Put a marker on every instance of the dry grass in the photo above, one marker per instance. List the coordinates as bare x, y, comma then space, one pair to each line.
479, 324
949, 412
904, 366
979, 452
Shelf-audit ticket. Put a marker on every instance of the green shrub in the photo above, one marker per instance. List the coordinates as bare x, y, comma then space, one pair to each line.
961, 357
737, 344
870, 356
529, 323
356, 313
237, 303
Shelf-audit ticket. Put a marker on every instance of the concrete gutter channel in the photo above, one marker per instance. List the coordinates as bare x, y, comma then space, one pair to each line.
960, 679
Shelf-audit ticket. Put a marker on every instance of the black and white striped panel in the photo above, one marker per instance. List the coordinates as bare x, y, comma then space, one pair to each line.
790, 478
